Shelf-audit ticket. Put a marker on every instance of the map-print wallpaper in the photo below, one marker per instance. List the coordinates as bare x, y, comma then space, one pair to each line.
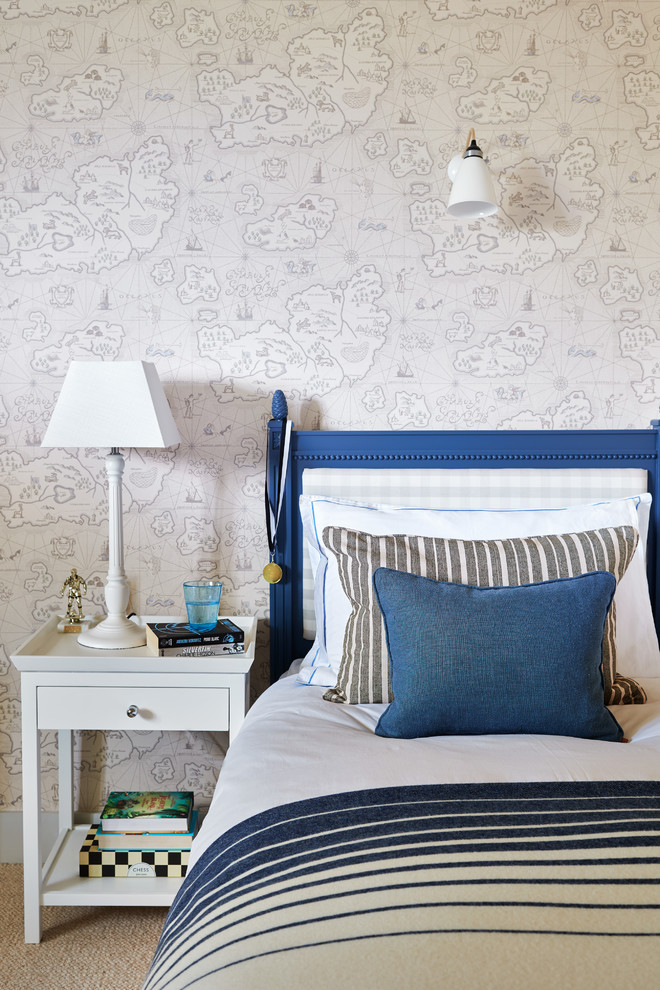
252, 196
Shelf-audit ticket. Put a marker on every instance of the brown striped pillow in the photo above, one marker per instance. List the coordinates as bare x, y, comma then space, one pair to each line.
364, 670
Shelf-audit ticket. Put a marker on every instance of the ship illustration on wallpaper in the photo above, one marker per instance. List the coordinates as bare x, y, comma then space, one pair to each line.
32, 438
244, 563
30, 184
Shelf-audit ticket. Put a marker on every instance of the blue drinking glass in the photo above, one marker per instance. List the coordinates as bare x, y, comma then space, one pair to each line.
202, 600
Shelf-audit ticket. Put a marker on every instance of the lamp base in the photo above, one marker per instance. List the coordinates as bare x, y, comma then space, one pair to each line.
115, 632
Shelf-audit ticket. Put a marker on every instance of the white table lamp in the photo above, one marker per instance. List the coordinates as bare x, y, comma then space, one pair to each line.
112, 404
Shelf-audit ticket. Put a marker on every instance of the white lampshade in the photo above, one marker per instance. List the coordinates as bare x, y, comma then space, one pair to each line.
472, 192
111, 404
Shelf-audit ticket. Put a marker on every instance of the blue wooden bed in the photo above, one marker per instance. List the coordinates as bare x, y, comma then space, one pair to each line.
359, 862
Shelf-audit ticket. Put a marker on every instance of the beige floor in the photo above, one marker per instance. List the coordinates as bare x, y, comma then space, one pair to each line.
83, 948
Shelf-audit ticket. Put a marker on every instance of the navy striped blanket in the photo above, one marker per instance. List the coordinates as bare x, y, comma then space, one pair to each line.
467, 886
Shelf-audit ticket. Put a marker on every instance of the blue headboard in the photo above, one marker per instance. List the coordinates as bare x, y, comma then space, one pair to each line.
429, 448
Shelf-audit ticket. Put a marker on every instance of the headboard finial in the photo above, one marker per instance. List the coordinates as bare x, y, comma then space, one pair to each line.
280, 408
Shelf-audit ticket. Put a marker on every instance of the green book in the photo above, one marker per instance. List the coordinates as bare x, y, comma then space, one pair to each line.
147, 811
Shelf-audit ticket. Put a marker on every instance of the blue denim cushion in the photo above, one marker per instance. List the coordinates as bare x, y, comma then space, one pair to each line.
469, 661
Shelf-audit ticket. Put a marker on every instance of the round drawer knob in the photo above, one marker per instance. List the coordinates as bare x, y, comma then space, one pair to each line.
132, 711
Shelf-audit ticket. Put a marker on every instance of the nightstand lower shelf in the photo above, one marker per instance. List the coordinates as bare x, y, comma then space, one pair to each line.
62, 883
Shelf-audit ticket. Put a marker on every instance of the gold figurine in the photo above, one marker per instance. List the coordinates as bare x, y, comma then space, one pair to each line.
75, 587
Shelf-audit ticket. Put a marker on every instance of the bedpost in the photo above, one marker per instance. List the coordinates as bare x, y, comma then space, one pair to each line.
280, 593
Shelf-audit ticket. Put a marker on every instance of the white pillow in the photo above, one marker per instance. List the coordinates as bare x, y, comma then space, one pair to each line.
638, 653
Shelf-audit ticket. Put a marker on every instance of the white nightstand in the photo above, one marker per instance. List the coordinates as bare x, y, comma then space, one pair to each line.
65, 686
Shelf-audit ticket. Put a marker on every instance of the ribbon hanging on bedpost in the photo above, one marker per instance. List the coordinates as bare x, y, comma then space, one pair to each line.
281, 435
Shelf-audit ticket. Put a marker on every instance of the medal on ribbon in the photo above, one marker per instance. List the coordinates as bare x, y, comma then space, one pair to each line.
280, 436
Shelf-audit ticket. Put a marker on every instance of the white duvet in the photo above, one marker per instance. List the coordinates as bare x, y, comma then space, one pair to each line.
294, 745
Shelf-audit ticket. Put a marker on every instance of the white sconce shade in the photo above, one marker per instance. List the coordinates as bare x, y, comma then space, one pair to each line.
112, 404
472, 192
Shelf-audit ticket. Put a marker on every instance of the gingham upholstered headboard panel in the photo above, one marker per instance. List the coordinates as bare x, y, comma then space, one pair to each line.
464, 488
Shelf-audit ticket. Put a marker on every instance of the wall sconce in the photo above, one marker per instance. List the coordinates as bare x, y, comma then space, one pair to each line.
472, 192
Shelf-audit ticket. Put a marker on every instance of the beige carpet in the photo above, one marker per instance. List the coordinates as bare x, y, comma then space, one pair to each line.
82, 948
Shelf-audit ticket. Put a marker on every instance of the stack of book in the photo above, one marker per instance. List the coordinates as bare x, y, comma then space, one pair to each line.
141, 834
177, 639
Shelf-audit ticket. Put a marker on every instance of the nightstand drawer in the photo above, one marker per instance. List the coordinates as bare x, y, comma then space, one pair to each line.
133, 708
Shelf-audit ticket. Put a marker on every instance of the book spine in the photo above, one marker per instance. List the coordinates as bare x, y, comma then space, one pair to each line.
146, 840
170, 640
203, 650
